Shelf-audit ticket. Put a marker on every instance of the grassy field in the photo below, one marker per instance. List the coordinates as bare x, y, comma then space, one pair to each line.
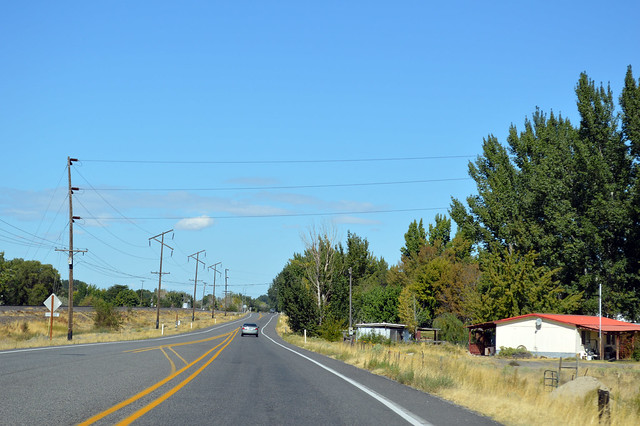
509, 391
27, 327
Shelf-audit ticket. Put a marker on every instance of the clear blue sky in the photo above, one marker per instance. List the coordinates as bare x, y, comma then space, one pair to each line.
256, 91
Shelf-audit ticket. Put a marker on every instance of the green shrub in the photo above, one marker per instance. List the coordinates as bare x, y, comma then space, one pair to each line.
375, 363
106, 315
127, 297
451, 328
406, 377
374, 338
88, 300
514, 353
331, 329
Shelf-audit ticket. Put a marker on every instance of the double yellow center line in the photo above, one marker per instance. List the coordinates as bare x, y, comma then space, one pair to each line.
220, 347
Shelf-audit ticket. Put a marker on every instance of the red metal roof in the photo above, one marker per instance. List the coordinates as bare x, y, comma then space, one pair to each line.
582, 321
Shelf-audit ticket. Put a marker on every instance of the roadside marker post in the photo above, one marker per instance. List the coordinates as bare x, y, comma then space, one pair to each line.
52, 303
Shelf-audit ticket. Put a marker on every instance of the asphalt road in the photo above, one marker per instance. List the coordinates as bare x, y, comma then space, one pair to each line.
211, 376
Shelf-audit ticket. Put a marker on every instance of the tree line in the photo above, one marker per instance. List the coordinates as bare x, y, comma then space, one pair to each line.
29, 283
556, 216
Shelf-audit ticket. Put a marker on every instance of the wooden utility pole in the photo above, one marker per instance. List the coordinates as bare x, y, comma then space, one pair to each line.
215, 271
162, 244
197, 258
350, 325
70, 250
226, 293
204, 289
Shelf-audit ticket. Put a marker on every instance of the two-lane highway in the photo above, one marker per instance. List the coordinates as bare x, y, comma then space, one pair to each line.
213, 376
70, 384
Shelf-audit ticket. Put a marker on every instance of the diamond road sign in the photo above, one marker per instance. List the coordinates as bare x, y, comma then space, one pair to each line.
52, 299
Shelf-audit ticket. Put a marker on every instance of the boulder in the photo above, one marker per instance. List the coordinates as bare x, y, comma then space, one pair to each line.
578, 388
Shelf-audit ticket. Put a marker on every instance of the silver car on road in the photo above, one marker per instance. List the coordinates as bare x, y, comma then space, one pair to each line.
249, 328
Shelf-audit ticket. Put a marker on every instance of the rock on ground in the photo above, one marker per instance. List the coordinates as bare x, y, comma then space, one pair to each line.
578, 388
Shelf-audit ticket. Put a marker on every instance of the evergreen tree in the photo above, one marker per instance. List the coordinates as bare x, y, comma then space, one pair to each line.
567, 194
296, 297
511, 284
604, 171
630, 103
440, 233
415, 239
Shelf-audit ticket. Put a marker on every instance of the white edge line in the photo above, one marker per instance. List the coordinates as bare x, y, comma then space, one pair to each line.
401, 411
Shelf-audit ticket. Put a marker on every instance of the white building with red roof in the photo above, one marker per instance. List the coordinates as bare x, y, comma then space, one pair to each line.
555, 335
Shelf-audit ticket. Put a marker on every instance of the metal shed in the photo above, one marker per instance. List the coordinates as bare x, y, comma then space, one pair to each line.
393, 332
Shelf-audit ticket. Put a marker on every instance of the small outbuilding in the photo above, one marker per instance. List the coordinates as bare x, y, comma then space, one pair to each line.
424, 334
394, 332
555, 335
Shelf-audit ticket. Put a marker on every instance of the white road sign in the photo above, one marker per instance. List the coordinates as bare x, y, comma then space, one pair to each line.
56, 302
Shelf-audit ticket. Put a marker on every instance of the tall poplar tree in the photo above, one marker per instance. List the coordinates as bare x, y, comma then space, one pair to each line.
630, 104
564, 193
415, 239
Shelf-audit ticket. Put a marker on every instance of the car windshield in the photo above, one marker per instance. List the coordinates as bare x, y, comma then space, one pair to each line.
250, 325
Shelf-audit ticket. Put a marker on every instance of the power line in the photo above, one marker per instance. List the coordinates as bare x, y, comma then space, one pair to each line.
99, 259
351, 160
110, 205
26, 232
249, 285
21, 241
54, 220
108, 231
114, 273
112, 247
53, 194
176, 282
258, 188
285, 214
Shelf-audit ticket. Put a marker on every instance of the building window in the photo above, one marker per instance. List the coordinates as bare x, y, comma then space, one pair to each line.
610, 339
586, 337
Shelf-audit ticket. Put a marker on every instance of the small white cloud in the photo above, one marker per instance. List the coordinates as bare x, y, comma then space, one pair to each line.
194, 223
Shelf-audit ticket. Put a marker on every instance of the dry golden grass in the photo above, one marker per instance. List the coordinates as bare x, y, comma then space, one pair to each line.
29, 328
510, 394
